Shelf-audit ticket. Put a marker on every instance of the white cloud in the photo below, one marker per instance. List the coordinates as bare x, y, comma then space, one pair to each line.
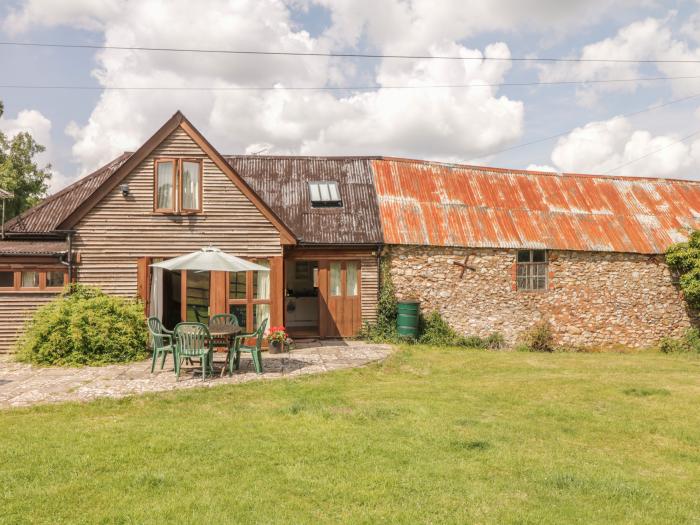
84, 14
644, 40
406, 26
600, 147
541, 167
433, 123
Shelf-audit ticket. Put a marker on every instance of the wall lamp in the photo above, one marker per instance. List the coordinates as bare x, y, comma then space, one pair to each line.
124, 189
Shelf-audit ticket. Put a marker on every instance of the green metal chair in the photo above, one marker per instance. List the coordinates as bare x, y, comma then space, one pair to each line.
234, 357
193, 341
161, 341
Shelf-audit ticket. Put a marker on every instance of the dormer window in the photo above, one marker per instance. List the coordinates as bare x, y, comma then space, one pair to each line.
325, 194
178, 186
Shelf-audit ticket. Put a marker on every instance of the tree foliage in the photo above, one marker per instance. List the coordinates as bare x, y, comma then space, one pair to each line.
19, 172
684, 259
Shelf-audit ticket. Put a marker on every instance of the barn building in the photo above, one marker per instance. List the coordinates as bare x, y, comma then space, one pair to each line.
493, 250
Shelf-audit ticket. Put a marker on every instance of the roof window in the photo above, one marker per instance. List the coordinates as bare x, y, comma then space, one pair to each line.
324, 194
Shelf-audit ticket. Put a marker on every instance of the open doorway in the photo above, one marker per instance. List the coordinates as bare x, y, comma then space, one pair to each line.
179, 296
301, 302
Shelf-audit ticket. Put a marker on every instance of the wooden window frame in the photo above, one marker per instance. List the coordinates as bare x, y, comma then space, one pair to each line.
177, 208
249, 301
530, 267
17, 280
181, 209
156, 204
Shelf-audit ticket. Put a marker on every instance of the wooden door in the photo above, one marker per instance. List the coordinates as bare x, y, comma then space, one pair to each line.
339, 284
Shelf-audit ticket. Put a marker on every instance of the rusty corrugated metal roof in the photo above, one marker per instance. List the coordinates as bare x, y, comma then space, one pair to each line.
430, 203
49, 213
282, 182
32, 247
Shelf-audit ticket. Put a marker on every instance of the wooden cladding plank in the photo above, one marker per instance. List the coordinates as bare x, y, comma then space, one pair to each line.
15, 310
370, 289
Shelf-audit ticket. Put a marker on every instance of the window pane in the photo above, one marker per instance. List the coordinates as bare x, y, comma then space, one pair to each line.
198, 297
351, 278
30, 280
524, 256
7, 279
335, 278
315, 194
539, 256
190, 185
166, 179
55, 279
236, 285
325, 195
239, 310
261, 282
333, 190
260, 312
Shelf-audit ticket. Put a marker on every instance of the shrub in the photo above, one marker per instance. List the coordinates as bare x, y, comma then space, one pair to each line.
690, 342
435, 331
539, 338
684, 259
495, 341
84, 326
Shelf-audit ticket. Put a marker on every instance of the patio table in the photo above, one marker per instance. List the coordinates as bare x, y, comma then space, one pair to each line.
224, 332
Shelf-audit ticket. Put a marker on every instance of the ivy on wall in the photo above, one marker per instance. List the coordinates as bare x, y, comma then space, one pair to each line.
684, 259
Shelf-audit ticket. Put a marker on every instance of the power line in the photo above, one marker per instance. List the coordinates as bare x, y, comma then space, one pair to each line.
346, 55
339, 88
653, 152
630, 114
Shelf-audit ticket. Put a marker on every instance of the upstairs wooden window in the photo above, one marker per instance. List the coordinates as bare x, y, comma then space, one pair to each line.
177, 186
532, 270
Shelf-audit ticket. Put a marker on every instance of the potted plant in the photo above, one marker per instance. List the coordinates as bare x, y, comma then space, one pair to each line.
277, 339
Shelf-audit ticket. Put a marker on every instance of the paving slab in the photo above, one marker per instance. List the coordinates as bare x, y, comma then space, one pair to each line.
25, 385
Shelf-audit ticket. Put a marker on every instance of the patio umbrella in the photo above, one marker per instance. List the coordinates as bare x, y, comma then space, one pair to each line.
210, 260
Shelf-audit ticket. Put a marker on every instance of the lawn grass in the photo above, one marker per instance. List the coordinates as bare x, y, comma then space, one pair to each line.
432, 435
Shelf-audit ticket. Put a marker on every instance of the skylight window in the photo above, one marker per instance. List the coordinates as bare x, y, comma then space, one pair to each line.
324, 194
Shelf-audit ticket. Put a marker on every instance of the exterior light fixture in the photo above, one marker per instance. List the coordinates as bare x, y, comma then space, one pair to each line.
124, 189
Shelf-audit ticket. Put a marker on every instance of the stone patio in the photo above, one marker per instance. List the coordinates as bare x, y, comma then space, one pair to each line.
24, 385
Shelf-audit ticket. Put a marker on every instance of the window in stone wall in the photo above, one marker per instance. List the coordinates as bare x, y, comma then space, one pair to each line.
532, 270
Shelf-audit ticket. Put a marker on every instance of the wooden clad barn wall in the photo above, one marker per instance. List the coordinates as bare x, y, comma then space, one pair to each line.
15, 309
118, 230
370, 289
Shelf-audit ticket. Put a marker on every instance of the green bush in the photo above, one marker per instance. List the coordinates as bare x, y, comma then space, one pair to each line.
435, 331
84, 326
684, 259
538, 338
690, 342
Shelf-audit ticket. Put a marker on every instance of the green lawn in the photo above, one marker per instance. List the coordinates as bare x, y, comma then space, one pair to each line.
432, 435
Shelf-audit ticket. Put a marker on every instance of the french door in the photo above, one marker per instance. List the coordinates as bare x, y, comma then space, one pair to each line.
339, 284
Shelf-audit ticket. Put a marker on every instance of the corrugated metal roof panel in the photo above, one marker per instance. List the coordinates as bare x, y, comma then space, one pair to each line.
52, 211
282, 182
429, 203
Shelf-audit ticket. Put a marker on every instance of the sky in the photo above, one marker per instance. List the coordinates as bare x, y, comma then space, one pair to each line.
640, 128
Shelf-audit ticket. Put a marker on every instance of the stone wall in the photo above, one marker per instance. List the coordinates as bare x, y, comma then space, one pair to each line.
593, 298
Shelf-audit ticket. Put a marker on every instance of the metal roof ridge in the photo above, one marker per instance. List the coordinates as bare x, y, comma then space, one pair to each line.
517, 171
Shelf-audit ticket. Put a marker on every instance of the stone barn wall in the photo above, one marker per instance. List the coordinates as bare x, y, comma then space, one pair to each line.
593, 298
